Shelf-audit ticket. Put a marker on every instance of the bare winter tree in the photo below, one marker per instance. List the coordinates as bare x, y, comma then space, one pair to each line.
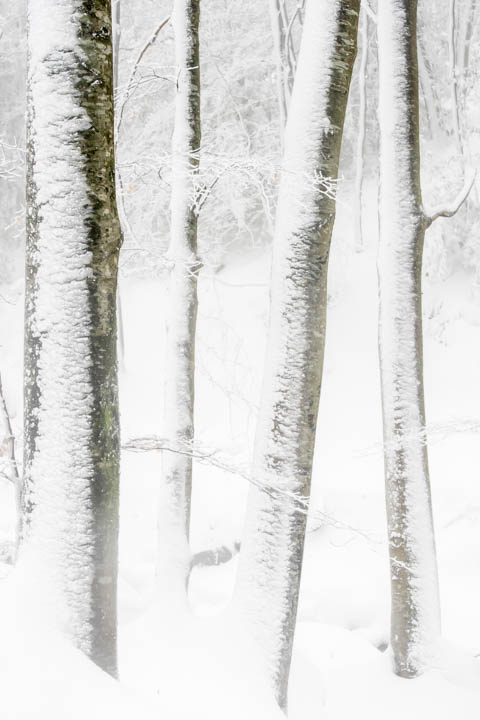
284, 51
176, 485
71, 433
362, 127
415, 614
271, 557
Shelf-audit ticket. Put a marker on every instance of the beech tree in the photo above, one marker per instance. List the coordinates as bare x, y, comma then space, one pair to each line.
282, 20
271, 556
176, 485
71, 432
362, 127
415, 613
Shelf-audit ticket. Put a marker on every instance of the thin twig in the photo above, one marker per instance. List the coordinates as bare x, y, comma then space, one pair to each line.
134, 69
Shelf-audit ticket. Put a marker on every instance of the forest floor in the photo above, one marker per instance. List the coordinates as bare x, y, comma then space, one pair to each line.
193, 665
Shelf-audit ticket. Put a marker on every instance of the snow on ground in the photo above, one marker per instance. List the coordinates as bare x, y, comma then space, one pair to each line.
175, 665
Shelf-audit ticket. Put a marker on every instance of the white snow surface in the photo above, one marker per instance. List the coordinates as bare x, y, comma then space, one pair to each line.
181, 665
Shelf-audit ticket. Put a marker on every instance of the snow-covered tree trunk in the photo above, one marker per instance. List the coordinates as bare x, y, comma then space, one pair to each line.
175, 495
466, 32
429, 96
415, 615
271, 558
69, 545
362, 129
283, 90
116, 37
454, 76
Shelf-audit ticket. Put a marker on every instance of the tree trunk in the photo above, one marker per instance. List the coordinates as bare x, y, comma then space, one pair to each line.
175, 496
362, 130
457, 130
415, 616
271, 557
71, 432
278, 36
429, 96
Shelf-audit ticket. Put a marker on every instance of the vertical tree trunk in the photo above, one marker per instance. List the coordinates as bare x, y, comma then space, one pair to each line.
271, 557
415, 618
116, 37
469, 18
71, 433
362, 128
429, 97
280, 62
175, 496
457, 130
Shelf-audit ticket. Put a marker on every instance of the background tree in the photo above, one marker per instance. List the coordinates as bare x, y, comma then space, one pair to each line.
415, 612
176, 485
271, 556
71, 432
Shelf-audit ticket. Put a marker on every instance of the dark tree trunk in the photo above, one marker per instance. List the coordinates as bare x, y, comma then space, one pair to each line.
71, 461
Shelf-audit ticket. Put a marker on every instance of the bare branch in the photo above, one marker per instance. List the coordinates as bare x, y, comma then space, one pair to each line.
136, 64
299, 501
454, 207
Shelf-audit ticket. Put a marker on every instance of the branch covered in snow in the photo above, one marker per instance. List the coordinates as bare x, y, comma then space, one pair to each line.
153, 443
135, 67
456, 204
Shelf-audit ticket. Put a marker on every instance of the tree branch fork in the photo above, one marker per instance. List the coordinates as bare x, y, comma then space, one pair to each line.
449, 210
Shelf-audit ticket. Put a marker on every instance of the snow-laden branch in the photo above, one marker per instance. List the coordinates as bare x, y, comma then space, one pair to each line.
135, 67
154, 443
446, 211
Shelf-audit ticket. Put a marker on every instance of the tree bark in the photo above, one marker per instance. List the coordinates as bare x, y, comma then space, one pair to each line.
362, 131
457, 130
267, 589
278, 36
71, 428
116, 38
176, 485
415, 615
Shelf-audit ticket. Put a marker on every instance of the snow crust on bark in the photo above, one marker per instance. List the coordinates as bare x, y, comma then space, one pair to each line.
271, 558
362, 129
176, 485
415, 619
70, 496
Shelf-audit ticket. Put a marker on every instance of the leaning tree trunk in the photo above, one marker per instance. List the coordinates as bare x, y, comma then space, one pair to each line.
71, 433
415, 616
271, 557
176, 485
